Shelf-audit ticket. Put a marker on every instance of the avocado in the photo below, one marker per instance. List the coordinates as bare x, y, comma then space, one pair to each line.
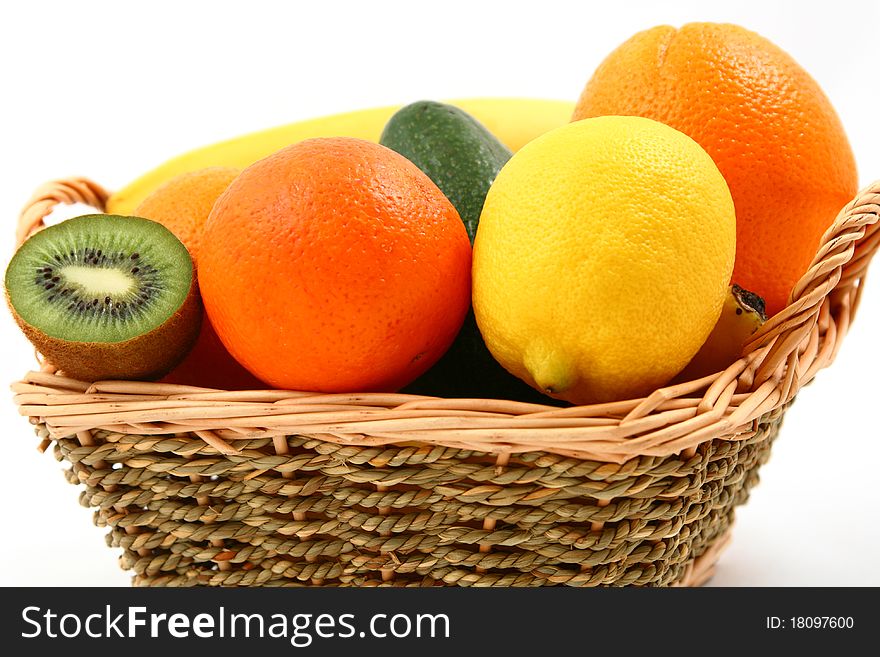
462, 158
468, 370
453, 149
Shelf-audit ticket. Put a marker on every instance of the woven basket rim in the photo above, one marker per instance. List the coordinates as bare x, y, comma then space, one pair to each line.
784, 355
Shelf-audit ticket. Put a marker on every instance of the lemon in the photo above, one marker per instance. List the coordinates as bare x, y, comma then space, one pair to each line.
602, 258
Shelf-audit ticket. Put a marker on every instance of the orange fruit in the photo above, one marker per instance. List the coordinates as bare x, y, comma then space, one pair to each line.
210, 365
335, 265
764, 121
182, 205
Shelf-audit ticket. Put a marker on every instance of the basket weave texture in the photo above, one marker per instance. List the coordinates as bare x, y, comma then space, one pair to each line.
275, 488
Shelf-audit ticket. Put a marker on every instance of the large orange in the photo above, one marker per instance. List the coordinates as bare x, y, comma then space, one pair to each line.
335, 265
182, 205
769, 127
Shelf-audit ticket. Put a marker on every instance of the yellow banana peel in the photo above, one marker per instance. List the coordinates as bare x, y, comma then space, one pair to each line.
514, 121
741, 315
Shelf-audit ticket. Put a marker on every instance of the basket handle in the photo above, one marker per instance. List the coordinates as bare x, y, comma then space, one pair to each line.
832, 284
833, 280
44, 200
837, 266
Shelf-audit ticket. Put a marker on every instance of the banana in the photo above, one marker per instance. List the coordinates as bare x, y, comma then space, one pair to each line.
514, 121
741, 315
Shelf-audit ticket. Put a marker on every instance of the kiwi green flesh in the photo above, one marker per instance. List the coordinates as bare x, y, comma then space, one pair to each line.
144, 357
99, 279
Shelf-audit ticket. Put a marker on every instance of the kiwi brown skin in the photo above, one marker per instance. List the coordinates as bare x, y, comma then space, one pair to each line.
147, 356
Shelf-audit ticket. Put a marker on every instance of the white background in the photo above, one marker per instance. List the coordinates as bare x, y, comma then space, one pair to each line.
109, 90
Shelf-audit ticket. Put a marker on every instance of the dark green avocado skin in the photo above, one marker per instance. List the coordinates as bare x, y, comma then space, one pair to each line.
468, 370
462, 158
453, 149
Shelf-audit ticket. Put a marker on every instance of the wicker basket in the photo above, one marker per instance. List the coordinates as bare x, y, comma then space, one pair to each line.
266, 488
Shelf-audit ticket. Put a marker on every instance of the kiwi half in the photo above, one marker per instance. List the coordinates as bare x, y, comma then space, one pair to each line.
106, 297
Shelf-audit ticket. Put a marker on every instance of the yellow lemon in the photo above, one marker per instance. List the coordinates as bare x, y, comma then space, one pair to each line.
602, 258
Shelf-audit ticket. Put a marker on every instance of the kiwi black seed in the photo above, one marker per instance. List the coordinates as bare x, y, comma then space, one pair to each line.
106, 297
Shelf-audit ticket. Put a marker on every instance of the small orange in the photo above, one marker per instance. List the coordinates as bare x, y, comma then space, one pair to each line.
335, 265
182, 205
766, 123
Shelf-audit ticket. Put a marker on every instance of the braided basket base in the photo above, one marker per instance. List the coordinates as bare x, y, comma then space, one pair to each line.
326, 514
399, 490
